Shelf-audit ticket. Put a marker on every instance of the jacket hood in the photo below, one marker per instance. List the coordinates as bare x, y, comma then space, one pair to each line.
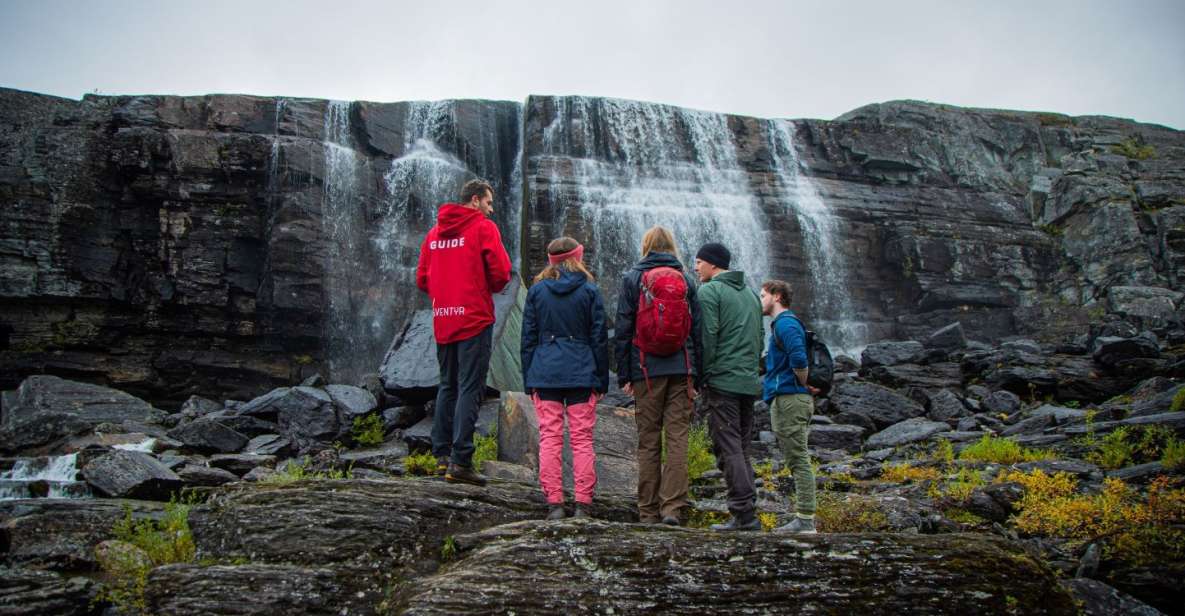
566, 283
453, 218
731, 278
658, 259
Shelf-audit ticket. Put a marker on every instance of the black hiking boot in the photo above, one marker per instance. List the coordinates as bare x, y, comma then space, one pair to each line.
581, 511
556, 512
464, 474
744, 522
670, 520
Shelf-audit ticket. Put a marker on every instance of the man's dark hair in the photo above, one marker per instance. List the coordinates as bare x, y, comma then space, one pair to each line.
780, 290
475, 188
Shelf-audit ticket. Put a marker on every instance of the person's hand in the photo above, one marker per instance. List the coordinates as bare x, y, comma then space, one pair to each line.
628, 389
814, 391
694, 392
598, 396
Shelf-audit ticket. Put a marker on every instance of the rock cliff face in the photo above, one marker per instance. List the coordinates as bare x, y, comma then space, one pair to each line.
231, 244
225, 243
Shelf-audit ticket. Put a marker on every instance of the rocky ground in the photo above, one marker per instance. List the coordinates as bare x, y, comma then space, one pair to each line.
954, 476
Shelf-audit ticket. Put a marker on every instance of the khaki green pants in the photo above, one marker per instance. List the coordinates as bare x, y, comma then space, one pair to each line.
791, 418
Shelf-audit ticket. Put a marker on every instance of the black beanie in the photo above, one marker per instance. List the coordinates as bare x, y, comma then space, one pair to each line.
716, 254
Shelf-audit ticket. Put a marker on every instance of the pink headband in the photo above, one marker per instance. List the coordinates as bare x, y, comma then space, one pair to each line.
576, 253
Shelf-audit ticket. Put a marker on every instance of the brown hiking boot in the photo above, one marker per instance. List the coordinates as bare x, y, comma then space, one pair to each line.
464, 474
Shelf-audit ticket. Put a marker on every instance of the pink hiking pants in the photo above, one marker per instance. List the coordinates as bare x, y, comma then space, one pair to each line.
581, 420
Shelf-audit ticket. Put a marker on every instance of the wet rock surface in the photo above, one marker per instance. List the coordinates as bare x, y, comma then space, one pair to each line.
593, 565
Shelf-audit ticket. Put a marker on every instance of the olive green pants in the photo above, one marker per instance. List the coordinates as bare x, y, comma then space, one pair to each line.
791, 418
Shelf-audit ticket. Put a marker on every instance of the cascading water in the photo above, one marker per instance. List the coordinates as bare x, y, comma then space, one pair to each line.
655, 165
53, 477
831, 314
351, 345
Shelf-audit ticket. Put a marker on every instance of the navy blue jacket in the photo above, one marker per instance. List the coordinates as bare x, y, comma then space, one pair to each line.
779, 366
629, 368
565, 344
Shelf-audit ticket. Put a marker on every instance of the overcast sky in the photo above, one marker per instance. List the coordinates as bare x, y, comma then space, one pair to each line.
772, 59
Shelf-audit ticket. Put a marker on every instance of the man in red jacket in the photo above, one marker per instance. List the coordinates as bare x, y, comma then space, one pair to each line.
462, 264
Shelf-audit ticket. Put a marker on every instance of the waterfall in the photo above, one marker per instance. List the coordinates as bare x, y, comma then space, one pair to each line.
352, 348
831, 313
652, 164
57, 474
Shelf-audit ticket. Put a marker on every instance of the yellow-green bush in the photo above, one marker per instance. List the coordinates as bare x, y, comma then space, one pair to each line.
699, 452
851, 513
1173, 458
368, 430
1129, 445
768, 519
485, 448
1001, 451
1133, 148
1139, 530
1178, 403
423, 463
944, 452
299, 470
906, 473
163, 541
960, 488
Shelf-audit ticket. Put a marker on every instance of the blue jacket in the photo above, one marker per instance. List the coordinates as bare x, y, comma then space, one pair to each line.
565, 343
629, 366
779, 366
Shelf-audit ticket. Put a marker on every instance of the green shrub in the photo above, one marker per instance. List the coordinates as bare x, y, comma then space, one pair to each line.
423, 463
1001, 451
1174, 455
165, 541
1113, 451
852, 513
368, 430
944, 452
1178, 403
1131, 445
485, 448
699, 452
299, 471
1133, 148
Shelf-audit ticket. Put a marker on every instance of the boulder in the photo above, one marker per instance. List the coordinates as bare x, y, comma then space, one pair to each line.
615, 442
908, 431
1099, 599
1029, 425
307, 417
196, 406
209, 436
1154, 306
882, 406
1111, 351
1060, 414
268, 445
241, 464
45, 408
526, 568
891, 353
403, 417
205, 476
351, 402
1001, 402
932, 376
61, 534
419, 436
946, 406
836, 436
387, 457
246, 425
30, 592
1083, 471
131, 474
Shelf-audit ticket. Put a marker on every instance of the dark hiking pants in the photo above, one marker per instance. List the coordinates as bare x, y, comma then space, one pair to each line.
463, 368
730, 424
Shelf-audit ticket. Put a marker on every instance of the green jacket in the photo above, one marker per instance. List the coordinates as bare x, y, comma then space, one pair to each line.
730, 323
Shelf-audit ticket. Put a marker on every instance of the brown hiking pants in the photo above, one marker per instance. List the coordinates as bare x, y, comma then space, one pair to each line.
662, 407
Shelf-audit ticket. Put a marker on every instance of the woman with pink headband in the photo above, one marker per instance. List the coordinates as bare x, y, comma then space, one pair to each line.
566, 368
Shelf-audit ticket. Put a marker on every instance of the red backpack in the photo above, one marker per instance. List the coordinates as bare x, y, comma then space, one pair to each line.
664, 318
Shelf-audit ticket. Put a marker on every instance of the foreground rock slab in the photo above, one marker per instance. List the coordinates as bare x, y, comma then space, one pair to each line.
31, 592
596, 567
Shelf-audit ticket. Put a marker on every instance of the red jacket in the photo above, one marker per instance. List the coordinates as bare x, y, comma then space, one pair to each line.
462, 264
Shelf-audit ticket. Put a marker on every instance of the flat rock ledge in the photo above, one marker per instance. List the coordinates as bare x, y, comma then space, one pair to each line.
578, 566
